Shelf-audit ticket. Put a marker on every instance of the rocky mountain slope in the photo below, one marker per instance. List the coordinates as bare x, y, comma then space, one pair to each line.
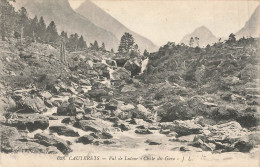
102, 19
203, 33
252, 26
68, 20
187, 100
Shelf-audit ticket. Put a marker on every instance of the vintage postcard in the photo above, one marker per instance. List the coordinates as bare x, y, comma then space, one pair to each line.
129, 83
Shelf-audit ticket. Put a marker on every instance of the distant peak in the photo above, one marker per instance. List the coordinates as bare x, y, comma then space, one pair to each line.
204, 28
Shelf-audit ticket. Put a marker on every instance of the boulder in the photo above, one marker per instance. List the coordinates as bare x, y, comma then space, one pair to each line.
151, 142
31, 104
45, 95
84, 82
98, 93
63, 130
111, 62
69, 120
178, 110
51, 140
102, 135
91, 125
143, 131
225, 138
120, 61
183, 128
86, 139
125, 107
120, 74
134, 66
111, 105
30, 122
128, 88
69, 108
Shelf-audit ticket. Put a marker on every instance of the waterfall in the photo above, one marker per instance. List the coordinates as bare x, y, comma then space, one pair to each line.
144, 65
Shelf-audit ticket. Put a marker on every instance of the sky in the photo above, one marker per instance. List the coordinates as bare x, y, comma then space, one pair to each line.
170, 20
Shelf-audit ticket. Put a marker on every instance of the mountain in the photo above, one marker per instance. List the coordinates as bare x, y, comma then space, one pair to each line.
102, 19
68, 20
203, 33
252, 26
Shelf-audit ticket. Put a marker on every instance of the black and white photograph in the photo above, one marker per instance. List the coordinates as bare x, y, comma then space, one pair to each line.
104, 83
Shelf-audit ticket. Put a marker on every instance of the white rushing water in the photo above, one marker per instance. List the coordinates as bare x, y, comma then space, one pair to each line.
144, 65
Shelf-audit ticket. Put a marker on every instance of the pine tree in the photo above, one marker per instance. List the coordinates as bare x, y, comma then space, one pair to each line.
191, 42
95, 46
81, 43
73, 41
41, 32
103, 47
64, 35
52, 34
146, 53
23, 22
7, 19
34, 27
126, 43
231, 38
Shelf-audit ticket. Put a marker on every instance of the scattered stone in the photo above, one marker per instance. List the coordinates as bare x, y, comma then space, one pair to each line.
86, 139
183, 127
151, 142
90, 125
141, 127
30, 105
45, 95
184, 149
51, 140
102, 135
143, 131
69, 120
65, 131
30, 122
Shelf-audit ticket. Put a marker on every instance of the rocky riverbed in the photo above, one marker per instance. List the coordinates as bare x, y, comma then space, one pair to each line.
105, 107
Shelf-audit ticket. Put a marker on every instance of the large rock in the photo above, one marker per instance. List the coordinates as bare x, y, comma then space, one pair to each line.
86, 139
183, 128
225, 138
30, 122
51, 140
128, 88
10, 143
45, 95
30, 104
102, 135
178, 110
70, 108
63, 130
91, 125
134, 66
8, 136
97, 93
120, 74
143, 131
120, 61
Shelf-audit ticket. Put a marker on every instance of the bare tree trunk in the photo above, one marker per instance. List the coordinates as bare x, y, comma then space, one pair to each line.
63, 58
22, 34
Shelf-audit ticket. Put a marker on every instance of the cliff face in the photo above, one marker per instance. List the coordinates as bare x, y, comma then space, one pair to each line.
252, 26
102, 19
68, 20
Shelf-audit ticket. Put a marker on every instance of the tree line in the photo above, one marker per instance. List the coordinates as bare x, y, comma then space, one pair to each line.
20, 26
